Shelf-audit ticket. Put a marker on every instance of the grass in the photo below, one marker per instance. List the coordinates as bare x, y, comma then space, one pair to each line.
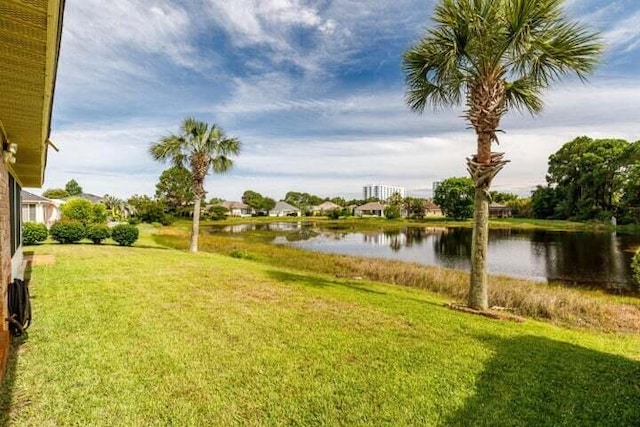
148, 336
570, 307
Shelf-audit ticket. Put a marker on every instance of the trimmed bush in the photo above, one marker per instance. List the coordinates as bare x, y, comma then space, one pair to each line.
124, 234
635, 266
33, 232
67, 231
97, 233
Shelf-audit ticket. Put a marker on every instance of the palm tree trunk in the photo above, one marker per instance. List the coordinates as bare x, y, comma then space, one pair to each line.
478, 297
195, 226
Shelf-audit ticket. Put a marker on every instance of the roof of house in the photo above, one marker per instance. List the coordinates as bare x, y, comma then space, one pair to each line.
88, 196
30, 37
27, 197
430, 205
371, 206
284, 206
326, 206
498, 206
234, 205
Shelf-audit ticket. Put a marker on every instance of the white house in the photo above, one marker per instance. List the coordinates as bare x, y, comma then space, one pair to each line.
39, 209
370, 209
284, 209
237, 208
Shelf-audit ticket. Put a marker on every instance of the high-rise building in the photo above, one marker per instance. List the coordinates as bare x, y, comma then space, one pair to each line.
381, 192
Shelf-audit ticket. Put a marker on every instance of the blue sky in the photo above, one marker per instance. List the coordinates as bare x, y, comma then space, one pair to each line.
313, 89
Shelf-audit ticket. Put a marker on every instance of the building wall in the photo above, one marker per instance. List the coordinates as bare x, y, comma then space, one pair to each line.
5, 263
381, 192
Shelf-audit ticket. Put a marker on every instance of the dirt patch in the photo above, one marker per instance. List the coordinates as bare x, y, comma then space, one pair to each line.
35, 260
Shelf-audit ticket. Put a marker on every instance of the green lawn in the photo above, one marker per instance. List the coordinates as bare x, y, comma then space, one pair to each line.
152, 336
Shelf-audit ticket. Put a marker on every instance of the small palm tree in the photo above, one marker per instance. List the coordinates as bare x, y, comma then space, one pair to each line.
200, 148
494, 55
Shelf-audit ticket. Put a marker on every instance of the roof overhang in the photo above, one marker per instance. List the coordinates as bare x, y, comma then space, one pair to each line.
30, 33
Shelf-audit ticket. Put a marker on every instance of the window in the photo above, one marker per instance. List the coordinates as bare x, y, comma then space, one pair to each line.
14, 214
29, 213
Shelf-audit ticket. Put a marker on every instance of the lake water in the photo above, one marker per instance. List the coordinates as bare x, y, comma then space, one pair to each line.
585, 259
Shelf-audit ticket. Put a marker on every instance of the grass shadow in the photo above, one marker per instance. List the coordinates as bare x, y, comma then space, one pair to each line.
315, 281
542, 382
7, 388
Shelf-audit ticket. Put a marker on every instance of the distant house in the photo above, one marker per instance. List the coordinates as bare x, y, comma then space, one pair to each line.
431, 209
237, 208
38, 209
284, 209
498, 210
324, 208
87, 196
370, 209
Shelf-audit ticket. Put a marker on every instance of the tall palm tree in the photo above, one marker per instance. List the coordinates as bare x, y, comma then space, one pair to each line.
494, 55
200, 148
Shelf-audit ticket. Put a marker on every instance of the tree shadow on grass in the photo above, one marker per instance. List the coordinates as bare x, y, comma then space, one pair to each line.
7, 404
533, 381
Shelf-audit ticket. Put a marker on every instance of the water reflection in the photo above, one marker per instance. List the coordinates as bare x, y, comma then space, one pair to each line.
586, 259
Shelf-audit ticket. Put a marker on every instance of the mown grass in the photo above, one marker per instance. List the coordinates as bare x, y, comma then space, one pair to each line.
541, 301
147, 336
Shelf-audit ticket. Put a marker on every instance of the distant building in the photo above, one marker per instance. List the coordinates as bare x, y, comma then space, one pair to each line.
284, 209
237, 208
38, 209
381, 192
370, 209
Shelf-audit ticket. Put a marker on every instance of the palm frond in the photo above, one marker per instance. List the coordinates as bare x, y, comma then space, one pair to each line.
524, 94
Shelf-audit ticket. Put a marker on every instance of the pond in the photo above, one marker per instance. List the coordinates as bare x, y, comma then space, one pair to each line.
584, 259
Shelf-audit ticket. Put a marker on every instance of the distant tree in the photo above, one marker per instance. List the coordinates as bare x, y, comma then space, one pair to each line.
303, 201
455, 197
216, 212
203, 148
494, 56
175, 187
414, 207
257, 201
340, 201
73, 188
500, 197
149, 210
544, 202
521, 207
55, 193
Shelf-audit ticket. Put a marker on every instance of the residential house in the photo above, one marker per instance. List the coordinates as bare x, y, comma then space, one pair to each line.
499, 210
324, 208
431, 209
284, 209
370, 209
87, 196
237, 208
30, 34
39, 209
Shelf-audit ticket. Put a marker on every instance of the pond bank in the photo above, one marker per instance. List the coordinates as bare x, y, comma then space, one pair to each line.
526, 298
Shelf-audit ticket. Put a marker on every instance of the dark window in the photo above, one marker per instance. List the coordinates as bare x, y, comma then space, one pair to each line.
14, 214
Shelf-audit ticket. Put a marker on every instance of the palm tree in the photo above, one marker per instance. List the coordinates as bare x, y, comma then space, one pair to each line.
494, 55
200, 148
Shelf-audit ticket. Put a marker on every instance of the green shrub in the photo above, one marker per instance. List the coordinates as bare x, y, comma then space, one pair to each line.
83, 210
67, 231
392, 212
124, 234
33, 232
97, 233
334, 213
635, 266
134, 220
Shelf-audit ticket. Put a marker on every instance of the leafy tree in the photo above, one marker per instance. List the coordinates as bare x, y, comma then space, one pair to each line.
340, 201
635, 267
84, 211
303, 201
414, 207
500, 197
257, 201
149, 210
589, 175
494, 56
455, 198
175, 187
203, 148
544, 202
392, 212
216, 212
117, 209
521, 207
55, 193
73, 188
